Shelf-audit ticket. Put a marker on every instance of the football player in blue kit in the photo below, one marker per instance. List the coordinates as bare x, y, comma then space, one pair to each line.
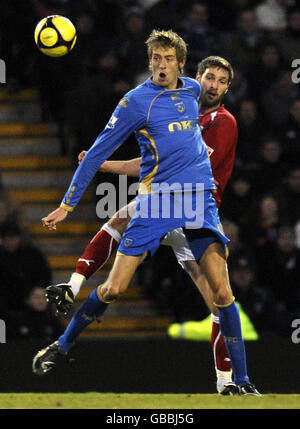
163, 114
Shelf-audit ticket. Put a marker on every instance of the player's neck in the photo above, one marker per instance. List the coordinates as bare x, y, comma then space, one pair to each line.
205, 109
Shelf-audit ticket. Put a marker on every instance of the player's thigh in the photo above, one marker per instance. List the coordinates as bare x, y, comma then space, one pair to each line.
122, 217
122, 272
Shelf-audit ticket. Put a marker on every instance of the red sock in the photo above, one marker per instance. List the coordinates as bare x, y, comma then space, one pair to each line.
96, 254
221, 357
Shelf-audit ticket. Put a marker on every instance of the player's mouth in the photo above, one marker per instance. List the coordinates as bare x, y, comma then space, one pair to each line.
211, 94
162, 76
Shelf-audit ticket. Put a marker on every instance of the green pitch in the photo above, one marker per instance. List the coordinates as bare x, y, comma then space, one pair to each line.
93, 400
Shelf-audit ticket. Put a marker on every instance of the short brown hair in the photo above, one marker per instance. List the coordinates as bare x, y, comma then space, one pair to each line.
215, 61
167, 39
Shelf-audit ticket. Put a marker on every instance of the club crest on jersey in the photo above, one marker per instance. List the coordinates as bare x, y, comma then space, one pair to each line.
128, 242
180, 106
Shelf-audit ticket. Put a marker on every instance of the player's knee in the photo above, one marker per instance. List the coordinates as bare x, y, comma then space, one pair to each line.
223, 296
109, 292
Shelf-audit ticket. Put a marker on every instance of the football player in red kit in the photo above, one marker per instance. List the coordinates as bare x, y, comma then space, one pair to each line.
219, 131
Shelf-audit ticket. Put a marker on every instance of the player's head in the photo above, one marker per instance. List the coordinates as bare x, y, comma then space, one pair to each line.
167, 56
215, 75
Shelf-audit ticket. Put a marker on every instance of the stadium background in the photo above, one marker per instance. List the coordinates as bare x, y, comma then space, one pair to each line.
51, 109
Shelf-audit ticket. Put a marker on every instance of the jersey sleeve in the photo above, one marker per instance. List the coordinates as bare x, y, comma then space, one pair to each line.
127, 118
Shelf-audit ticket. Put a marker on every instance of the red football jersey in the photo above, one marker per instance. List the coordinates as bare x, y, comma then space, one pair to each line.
220, 133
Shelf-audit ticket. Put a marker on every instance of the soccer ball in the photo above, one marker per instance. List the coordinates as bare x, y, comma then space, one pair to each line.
55, 35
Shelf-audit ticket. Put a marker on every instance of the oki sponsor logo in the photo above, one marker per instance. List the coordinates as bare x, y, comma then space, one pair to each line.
191, 124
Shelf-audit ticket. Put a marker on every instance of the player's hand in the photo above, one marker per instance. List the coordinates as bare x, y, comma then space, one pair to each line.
103, 167
81, 156
54, 217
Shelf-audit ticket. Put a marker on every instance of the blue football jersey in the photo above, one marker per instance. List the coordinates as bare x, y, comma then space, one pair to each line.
166, 126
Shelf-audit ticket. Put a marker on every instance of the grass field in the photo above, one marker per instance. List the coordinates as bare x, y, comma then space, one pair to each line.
94, 400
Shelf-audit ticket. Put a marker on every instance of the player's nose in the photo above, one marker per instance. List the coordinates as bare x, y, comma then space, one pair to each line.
163, 64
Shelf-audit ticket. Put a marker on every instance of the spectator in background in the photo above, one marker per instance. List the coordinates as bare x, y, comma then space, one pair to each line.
275, 100
289, 39
250, 126
270, 168
279, 268
86, 112
240, 47
107, 14
50, 7
289, 195
236, 246
238, 195
22, 266
263, 222
199, 35
237, 92
11, 210
269, 64
271, 15
291, 132
36, 320
164, 14
250, 293
131, 43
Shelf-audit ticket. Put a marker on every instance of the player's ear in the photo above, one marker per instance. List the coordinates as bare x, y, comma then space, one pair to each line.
198, 76
227, 89
181, 65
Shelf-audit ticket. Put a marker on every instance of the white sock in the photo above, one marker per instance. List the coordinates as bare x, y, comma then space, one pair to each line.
76, 281
214, 318
223, 377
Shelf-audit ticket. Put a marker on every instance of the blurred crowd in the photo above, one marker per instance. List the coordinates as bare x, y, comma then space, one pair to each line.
261, 205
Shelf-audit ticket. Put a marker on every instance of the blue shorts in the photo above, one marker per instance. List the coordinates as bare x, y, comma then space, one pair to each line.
148, 227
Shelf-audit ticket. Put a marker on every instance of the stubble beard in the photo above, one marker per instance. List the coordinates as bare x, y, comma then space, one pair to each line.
206, 104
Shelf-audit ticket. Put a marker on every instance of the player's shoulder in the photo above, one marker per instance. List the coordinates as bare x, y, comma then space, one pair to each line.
137, 96
225, 116
191, 84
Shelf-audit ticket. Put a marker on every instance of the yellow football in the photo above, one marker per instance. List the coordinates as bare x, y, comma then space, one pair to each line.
55, 35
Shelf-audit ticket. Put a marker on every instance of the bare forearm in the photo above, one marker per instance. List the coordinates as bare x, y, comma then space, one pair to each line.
129, 168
